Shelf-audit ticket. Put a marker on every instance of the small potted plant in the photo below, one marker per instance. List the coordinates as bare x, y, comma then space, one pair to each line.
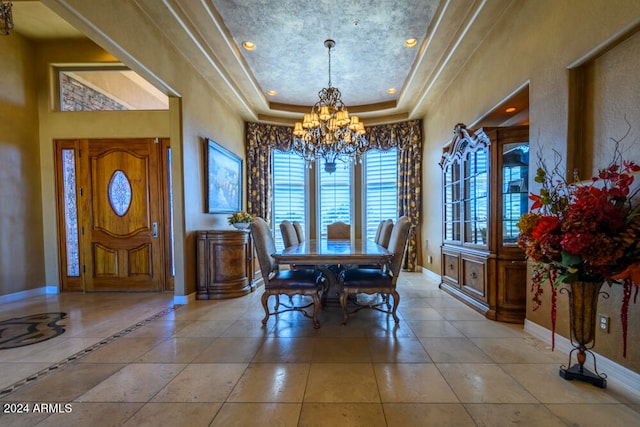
241, 220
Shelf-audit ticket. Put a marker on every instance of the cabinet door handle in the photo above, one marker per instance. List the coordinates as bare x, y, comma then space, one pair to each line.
450, 266
474, 275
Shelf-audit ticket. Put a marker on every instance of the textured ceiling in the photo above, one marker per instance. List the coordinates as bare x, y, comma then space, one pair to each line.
290, 57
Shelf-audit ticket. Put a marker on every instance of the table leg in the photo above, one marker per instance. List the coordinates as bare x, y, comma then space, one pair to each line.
333, 274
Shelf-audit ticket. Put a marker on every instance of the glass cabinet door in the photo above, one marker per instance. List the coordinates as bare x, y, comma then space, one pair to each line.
475, 200
515, 176
452, 201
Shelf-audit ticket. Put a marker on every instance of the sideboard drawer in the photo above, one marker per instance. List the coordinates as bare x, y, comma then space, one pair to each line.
474, 277
450, 266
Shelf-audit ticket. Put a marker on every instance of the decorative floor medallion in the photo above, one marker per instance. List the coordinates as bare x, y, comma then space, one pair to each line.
21, 331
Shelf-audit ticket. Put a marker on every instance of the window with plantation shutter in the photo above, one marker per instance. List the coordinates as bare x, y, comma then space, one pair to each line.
380, 184
335, 196
289, 199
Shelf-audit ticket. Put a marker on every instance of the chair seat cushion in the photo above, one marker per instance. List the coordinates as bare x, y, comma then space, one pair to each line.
367, 278
295, 279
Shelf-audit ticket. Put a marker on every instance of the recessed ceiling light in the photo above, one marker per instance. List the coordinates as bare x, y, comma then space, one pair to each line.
391, 90
272, 93
510, 110
411, 42
248, 45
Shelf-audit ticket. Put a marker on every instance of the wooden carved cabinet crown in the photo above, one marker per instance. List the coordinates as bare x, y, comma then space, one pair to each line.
485, 176
226, 264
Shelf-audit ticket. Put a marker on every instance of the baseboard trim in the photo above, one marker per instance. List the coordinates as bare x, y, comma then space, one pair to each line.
184, 299
430, 274
618, 377
17, 296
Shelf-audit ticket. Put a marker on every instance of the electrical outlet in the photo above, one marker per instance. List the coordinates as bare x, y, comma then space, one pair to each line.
430, 259
604, 323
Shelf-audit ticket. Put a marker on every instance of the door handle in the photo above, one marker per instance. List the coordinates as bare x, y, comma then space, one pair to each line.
154, 230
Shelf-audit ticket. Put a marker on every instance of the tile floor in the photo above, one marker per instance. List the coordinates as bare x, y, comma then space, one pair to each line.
211, 363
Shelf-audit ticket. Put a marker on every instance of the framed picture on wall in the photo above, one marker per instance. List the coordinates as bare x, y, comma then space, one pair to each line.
223, 176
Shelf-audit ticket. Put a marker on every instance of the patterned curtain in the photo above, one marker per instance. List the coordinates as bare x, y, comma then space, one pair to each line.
406, 136
261, 139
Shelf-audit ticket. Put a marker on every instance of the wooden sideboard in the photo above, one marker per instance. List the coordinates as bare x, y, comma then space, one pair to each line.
485, 181
226, 264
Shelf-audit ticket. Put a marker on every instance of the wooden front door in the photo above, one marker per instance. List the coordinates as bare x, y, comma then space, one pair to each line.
120, 214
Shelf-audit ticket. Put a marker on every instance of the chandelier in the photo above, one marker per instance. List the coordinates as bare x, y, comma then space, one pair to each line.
6, 18
328, 131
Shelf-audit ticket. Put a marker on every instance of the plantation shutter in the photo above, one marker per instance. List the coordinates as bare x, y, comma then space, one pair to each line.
289, 199
381, 189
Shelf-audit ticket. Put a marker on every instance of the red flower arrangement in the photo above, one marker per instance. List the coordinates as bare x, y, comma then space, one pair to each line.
586, 232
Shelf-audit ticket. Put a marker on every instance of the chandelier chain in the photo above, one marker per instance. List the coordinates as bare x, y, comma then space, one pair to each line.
329, 65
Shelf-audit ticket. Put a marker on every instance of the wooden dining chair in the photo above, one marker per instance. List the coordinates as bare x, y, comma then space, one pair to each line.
289, 235
338, 231
386, 227
284, 282
383, 234
299, 231
379, 229
375, 280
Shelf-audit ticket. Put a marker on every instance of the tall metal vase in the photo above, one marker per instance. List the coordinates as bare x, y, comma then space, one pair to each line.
583, 309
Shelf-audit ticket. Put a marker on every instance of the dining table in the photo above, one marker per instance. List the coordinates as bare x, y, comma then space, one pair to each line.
332, 257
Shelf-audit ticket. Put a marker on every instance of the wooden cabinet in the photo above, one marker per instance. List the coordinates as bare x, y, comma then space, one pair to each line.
226, 264
485, 176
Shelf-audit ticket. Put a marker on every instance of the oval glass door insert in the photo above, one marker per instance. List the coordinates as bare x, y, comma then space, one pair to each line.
119, 193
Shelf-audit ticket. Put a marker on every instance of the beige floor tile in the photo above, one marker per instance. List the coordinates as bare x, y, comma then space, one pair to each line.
421, 414
414, 302
488, 329
93, 414
65, 384
459, 313
342, 382
161, 328
122, 350
544, 382
518, 350
454, 350
342, 414
412, 382
434, 328
174, 414
245, 377
508, 415
596, 415
441, 300
221, 311
341, 350
204, 329
247, 328
230, 350
134, 383
483, 383
420, 313
271, 382
176, 350
210, 382
257, 414
22, 419
397, 350
292, 327
285, 350
390, 329
59, 350
16, 371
